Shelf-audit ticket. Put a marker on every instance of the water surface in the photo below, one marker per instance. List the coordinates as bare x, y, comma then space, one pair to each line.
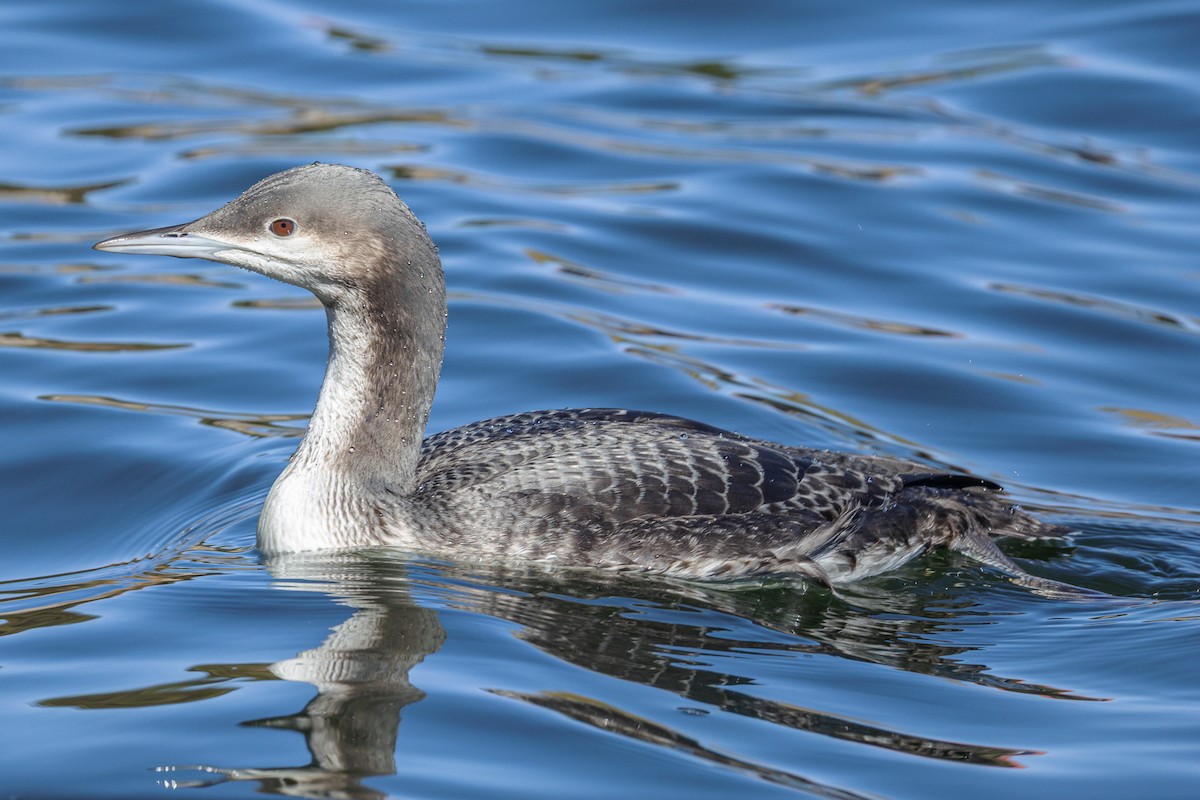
957, 234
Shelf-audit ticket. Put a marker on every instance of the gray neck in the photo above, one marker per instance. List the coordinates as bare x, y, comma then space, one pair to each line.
386, 340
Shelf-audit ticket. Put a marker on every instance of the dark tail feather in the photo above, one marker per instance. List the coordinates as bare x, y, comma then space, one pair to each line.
944, 480
995, 515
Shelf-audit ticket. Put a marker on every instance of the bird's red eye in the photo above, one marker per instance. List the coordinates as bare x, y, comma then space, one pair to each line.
283, 227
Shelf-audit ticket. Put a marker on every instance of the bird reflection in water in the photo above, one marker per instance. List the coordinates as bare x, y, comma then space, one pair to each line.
635, 629
360, 673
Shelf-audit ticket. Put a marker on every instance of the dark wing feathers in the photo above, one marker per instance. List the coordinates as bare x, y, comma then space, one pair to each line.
629, 489
640, 464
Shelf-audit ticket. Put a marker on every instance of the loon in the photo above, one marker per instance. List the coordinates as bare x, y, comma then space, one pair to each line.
604, 488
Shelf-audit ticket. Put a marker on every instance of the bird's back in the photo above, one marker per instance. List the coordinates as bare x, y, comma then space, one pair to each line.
628, 489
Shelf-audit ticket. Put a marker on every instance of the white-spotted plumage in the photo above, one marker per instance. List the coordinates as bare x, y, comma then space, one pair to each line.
607, 488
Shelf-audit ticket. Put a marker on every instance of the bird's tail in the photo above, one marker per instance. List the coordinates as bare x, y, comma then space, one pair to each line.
970, 515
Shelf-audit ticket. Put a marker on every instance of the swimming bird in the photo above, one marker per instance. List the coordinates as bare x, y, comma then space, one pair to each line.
596, 487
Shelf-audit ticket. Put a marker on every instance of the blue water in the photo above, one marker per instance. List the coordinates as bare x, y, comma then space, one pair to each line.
956, 232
